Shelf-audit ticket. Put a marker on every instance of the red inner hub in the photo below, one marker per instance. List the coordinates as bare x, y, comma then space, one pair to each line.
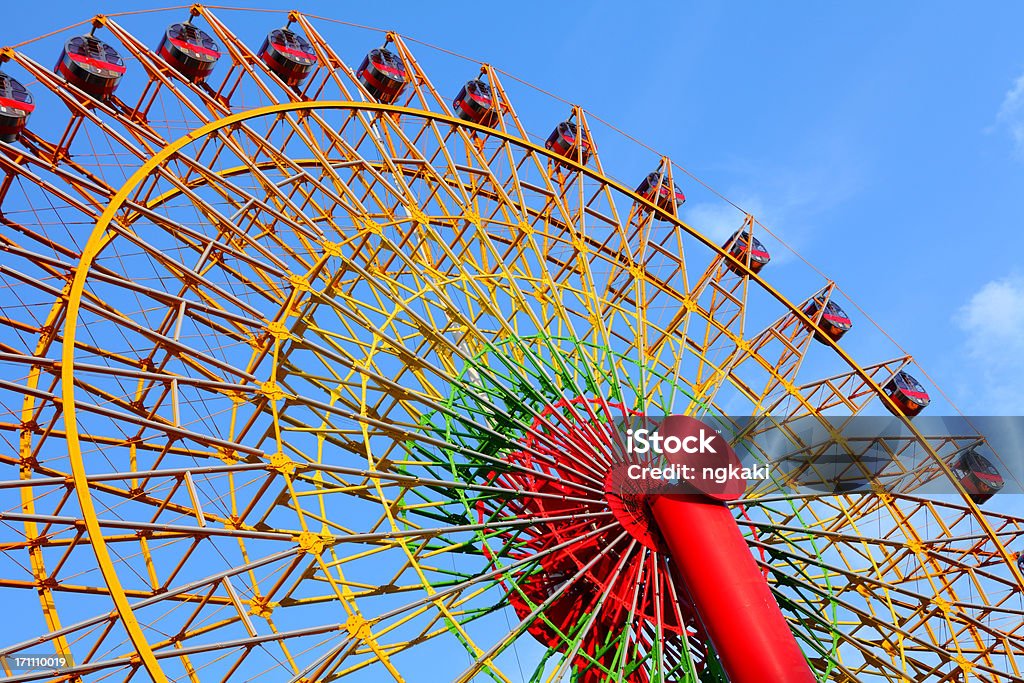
564, 462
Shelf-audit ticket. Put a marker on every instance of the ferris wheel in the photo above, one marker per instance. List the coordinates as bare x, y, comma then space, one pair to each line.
309, 363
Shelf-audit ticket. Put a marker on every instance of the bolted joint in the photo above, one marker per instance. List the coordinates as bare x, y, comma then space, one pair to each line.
357, 626
311, 543
282, 464
261, 607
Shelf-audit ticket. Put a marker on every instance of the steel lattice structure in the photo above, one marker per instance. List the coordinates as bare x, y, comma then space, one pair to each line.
293, 381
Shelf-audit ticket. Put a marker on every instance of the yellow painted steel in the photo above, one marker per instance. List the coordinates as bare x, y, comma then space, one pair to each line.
101, 236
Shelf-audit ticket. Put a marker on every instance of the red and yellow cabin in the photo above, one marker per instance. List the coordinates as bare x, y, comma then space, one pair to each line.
475, 103
978, 476
91, 65
834, 322
289, 55
15, 107
190, 50
655, 188
383, 74
907, 393
565, 140
741, 244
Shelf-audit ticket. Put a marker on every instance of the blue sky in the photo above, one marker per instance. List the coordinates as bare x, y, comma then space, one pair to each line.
883, 141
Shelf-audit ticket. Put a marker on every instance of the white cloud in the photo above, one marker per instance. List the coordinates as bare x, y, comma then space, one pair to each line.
1011, 114
785, 215
993, 324
994, 321
716, 220
790, 203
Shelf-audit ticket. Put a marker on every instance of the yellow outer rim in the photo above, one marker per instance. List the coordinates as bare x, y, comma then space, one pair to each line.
100, 237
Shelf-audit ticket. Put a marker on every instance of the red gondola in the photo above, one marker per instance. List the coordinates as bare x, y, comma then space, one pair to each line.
475, 103
289, 55
383, 74
15, 107
91, 65
742, 244
190, 50
907, 393
834, 322
566, 140
979, 477
656, 184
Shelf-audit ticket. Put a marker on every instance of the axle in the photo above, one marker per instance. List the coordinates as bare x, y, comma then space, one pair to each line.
729, 594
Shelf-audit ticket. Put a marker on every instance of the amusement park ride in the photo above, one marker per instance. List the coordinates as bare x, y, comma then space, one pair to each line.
311, 372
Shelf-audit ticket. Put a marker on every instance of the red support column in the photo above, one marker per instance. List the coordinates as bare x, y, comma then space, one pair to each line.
751, 637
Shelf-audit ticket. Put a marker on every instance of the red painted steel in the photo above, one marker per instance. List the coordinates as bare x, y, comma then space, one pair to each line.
744, 623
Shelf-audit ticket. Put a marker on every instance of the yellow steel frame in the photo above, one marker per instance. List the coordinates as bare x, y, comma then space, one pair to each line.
715, 303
